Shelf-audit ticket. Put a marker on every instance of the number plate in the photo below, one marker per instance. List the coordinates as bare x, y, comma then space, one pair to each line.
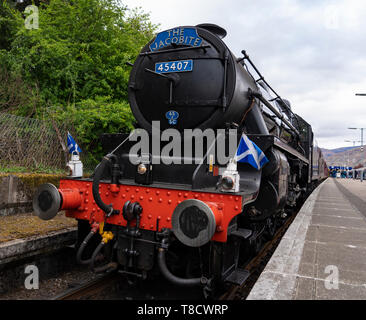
174, 66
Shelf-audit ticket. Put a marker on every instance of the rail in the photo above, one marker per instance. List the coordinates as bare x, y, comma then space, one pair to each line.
89, 288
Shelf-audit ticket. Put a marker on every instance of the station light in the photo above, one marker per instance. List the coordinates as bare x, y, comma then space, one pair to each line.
361, 147
360, 95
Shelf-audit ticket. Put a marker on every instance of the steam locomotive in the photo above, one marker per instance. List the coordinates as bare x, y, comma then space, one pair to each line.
193, 219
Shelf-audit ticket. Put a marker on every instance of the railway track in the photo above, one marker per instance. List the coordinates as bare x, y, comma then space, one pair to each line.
256, 265
88, 289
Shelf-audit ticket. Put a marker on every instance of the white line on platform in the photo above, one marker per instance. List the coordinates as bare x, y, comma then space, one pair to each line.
332, 208
316, 278
337, 243
334, 216
338, 227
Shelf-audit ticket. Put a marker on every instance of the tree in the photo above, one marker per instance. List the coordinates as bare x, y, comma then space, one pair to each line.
10, 22
76, 61
80, 50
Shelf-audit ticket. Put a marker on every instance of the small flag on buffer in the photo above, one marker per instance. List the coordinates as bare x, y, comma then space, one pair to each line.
71, 144
249, 152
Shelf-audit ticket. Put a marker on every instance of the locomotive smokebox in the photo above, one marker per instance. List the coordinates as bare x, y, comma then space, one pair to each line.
187, 78
194, 222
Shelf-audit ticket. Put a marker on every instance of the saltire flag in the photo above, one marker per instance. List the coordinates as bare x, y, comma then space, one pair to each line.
249, 152
71, 144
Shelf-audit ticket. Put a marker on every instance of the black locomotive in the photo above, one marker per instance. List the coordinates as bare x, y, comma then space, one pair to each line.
192, 219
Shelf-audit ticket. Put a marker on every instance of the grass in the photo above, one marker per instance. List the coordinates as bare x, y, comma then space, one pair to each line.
39, 169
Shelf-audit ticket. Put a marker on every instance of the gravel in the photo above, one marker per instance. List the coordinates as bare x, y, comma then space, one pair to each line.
51, 287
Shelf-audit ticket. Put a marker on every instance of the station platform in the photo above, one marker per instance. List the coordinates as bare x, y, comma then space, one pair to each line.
322, 256
27, 240
25, 235
22, 226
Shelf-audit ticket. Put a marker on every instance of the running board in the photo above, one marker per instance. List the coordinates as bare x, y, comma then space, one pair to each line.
242, 233
238, 276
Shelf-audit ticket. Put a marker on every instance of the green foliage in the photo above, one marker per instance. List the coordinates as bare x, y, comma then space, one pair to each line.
10, 22
92, 117
74, 66
80, 50
14, 92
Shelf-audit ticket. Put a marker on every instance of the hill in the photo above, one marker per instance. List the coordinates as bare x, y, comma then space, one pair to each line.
349, 156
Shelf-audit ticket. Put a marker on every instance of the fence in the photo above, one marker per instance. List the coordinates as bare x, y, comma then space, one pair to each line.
31, 143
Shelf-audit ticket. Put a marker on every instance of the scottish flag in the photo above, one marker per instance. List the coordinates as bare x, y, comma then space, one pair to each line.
249, 152
71, 144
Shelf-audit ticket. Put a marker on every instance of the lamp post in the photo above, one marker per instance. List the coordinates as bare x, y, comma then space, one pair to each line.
354, 141
361, 135
360, 95
349, 152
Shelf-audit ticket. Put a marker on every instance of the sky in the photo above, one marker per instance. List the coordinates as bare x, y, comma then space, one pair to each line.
312, 52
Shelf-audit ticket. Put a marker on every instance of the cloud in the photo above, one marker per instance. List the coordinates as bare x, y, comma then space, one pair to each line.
311, 52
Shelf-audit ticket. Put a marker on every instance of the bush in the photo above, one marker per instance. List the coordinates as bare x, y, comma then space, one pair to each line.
90, 118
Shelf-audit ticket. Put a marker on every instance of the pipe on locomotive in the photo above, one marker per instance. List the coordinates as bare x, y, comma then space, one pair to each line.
82, 247
184, 282
260, 97
108, 209
110, 266
93, 231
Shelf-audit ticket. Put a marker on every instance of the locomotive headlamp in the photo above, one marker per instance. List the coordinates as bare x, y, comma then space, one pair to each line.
143, 174
194, 222
227, 183
75, 166
141, 169
230, 179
